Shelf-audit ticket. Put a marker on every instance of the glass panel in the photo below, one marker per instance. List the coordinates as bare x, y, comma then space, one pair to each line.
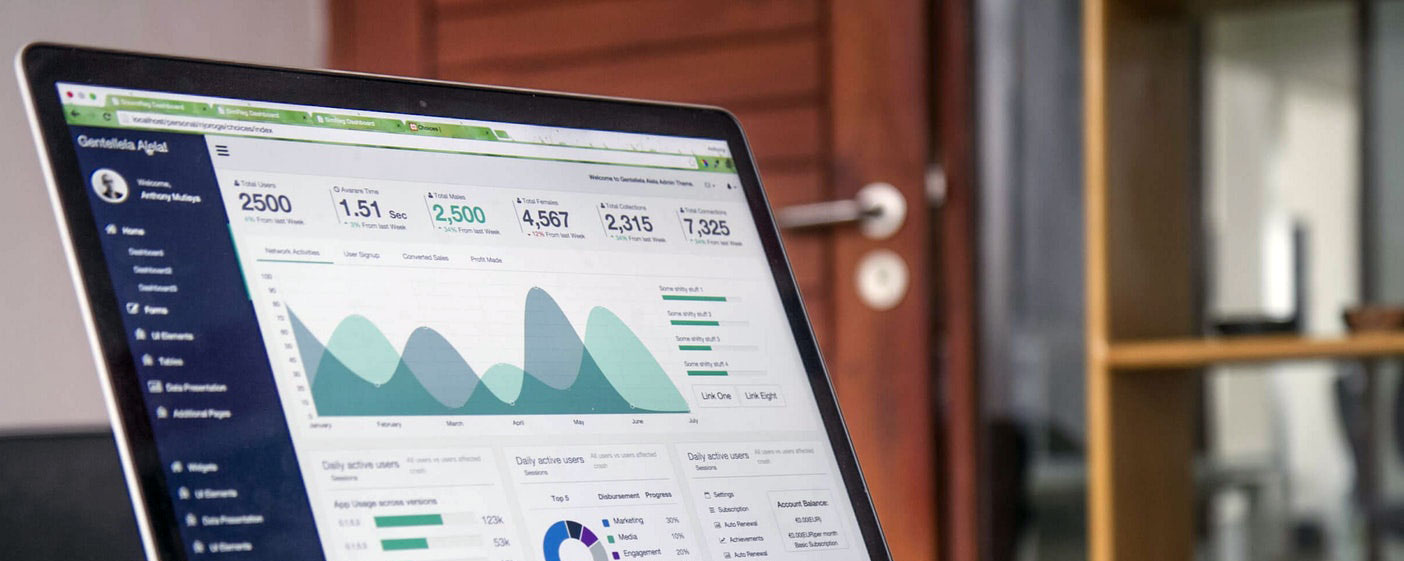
1031, 269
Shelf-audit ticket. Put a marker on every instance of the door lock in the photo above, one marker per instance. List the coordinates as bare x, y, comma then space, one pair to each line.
882, 279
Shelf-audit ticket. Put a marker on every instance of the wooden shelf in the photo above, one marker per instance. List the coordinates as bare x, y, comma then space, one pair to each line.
1196, 352
1142, 152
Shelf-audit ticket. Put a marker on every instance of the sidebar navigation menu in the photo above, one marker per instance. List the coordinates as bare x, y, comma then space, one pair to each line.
210, 395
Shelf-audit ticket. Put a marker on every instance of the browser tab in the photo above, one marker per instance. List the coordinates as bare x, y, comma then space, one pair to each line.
354, 122
450, 131
156, 105
245, 113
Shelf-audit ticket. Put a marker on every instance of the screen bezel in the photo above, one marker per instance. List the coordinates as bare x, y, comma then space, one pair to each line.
45, 65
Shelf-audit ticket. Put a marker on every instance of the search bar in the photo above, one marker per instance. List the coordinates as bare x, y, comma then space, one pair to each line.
486, 147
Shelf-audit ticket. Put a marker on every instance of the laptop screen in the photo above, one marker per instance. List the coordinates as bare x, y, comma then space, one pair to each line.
375, 336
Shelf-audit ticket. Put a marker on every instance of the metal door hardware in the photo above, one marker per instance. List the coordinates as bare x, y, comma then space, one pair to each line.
882, 279
879, 210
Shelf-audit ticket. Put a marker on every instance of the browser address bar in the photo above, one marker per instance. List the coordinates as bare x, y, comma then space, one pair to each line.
488, 147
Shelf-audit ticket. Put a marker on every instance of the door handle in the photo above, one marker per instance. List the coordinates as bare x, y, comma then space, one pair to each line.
879, 209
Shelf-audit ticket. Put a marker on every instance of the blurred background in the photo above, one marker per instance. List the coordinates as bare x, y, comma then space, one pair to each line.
1154, 256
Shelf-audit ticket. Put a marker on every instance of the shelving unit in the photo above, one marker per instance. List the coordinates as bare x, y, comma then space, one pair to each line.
1145, 359
1198, 352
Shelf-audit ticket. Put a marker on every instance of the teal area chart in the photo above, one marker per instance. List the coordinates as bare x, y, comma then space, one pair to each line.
357, 371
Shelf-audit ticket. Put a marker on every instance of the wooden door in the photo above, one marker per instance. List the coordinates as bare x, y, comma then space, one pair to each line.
832, 94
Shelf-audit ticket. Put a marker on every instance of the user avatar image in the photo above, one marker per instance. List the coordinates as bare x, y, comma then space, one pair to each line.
110, 186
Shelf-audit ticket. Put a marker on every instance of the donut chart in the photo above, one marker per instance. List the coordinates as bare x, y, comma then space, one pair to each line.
565, 530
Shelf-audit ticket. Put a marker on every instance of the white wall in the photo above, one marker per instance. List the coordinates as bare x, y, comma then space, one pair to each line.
46, 373
1282, 145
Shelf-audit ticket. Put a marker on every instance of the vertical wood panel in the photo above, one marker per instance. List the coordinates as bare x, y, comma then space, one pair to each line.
789, 135
810, 252
470, 38
1151, 421
960, 418
383, 37
794, 185
1150, 161
1098, 382
782, 66
818, 303
1140, 112
880, 359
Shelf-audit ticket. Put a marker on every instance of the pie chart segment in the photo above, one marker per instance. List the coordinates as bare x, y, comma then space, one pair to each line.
570, 530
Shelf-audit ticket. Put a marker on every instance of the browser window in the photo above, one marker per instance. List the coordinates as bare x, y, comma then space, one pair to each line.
371, 336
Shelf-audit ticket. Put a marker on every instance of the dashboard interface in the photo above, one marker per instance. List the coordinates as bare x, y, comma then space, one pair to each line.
383, 337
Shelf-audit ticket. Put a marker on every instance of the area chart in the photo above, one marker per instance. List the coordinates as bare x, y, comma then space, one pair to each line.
357, 371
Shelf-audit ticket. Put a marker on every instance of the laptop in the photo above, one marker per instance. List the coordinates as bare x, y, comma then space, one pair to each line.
352, 317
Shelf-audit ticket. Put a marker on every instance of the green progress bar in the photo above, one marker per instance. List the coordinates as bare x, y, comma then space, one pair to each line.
404, 544
694, 298
696, 322
694, 347
706, 372
409, 520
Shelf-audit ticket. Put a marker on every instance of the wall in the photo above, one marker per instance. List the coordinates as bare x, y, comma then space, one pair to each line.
47, 374
1281, 93
1031, 217
1281, 141
1386, 180
1031, 260
1387, 141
